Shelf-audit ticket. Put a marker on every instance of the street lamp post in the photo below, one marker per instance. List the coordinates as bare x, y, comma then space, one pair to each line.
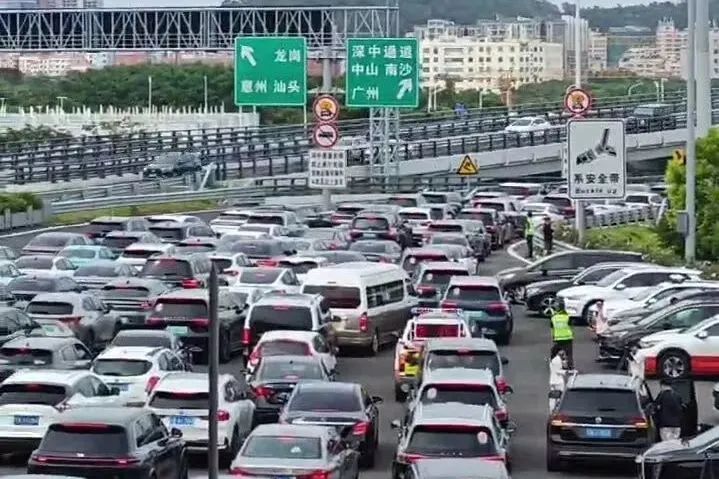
691, 165
61, 101
482, 92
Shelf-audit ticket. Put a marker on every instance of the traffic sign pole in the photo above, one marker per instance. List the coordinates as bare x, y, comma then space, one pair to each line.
327, 88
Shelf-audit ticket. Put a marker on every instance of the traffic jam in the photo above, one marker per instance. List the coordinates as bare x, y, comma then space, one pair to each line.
104, 343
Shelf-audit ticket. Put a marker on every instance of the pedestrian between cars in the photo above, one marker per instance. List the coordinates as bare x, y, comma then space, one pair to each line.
529, 235
558, 367
548, 234
668, 412
562, 334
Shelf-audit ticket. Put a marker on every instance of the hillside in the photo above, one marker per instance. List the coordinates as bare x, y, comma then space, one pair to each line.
640, 15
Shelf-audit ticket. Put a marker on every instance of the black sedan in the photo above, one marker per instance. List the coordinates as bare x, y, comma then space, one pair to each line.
378, 251
342, 405
693, 459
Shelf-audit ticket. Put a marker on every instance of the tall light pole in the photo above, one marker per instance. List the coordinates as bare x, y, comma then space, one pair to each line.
701, 63
149, 95
691, 157
61, 100
205, 92
580, 223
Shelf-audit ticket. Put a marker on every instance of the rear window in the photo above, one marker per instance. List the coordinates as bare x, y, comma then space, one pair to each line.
124, 292
349, 209
256, 249
171, 234
402, 202
232, 218
281, 447
492, 205
474, 394
370, 224
47, 307
36, 357
282, 317
466, 359
105, 226
435, 198
426, 331
176, 400
340, 297
439, 277
451, 440
414, 216
31, 394
484, 217
49, 241
30, 262
180, 308
139, 253
221, 263
324, 400
121, 367
92, 440
284, 348
167, 267
303, 267
119, 242
267, 220
558, 201
83, 253
593, 401
446, 228
98, 271
474, 293
283, 371
259, 276
32, 284
126, 340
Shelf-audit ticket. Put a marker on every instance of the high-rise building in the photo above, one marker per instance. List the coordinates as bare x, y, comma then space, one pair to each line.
18, 4
570, 47
597, 51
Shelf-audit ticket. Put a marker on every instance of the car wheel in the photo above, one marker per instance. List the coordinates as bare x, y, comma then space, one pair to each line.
399, 395
548, 305
585, 314
516, 293
184, 472
367, 460
674, 365
373, 347
553, 462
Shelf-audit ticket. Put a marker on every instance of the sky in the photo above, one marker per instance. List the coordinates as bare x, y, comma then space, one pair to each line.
201, 3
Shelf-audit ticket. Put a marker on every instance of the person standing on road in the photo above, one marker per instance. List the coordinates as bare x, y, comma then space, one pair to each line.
548, 234
668, 412
562, 334
558, 367
529, 235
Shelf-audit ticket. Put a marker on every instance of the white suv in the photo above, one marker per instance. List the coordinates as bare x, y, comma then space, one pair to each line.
134, 370
32, 400
182, 401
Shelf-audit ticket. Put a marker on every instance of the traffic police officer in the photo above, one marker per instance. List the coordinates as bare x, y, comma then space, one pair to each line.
562, 334
529, 235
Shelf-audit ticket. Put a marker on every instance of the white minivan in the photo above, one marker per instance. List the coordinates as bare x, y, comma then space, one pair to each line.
372, 300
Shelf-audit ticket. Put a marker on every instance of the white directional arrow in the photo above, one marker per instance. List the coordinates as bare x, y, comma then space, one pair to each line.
248, 53
405, 86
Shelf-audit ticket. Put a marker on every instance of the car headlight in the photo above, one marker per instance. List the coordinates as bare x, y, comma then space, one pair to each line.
571, 298
643, 344
508, 276
532, 291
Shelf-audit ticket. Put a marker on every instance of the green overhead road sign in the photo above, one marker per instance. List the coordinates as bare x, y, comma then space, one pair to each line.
270, 71
382, 73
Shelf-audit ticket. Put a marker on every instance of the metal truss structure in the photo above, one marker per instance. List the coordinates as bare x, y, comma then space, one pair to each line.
187, 29
384, 143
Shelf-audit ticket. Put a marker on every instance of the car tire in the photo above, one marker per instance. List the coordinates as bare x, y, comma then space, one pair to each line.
374, 345
516, 293
399, 395
184, 472
547, 305
368, 459
674, 360
584, 320
554, 464
233, 449
395, 471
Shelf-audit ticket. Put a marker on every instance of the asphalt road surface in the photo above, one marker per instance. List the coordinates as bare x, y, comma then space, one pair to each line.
527, 372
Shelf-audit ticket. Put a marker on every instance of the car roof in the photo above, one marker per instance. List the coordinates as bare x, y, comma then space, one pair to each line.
129, 352
40, 342
459, 375
453, 413
293, 430
280, 334
120, 416
46, 376
327, 386
443, 265
474, 281
64, 297
457, 344
602, 381
187, 382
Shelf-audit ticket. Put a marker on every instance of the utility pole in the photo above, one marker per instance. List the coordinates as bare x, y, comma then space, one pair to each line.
326, 88
691, 158
149, 95
580, 223
205, 92
213, 356
701, 63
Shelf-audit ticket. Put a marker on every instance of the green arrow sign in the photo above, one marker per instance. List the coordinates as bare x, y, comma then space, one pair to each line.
270, 71
382, 73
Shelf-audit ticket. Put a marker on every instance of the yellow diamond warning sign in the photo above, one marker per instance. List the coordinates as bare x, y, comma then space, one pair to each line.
468, 167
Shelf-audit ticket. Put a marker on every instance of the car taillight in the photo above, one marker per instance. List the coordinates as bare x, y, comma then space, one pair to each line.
255, 357
361, 428
501, 415
406, 458
223, 415
231, 272
246, 336
191, 283
71, 319
364, 323
448, 305
502, 385
199, 323
497, 307
155, 321
315, 475
640, 423
498, 458
262, 392
151, 383
267, 263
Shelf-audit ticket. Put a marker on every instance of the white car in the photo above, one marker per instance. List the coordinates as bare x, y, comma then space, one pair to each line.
137, 254
254, 230
248, 295
182, 401
542, 210
31, 400
623, 283
184, 219
227, 260
681, 353
229, 221
528, 124
43, 264
281, 279
294, 343
8, 271
301, 265
135, 370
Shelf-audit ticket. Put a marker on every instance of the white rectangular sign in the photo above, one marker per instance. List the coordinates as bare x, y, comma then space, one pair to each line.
328, 169
597, 166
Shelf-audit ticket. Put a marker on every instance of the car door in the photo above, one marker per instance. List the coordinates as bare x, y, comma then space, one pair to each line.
151, 443
705, 359
638, 281
562, 266
236, 394
325, 351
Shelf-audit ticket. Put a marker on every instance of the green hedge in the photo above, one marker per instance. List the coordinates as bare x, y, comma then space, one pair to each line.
19, 202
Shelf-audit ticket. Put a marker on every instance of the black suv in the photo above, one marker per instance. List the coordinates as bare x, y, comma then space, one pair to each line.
172, 164
601, 417
186, 271
652, 117
116, 442
381, 226
565, 264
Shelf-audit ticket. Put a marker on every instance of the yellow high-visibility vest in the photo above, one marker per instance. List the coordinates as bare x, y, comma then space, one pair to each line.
561, 330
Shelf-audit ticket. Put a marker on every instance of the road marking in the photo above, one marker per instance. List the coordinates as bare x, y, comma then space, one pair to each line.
512, 251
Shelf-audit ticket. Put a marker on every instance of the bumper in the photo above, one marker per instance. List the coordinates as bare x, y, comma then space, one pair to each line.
574, 308
610, 352
598, 452
19, 444
87, 472
353, 339
267, 415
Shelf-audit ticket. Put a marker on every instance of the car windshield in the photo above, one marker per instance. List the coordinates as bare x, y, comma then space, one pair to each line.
289, 371
28, 356
98, 271
469, 359
104, 226
367, 223
83, 253
171, 233
325, 400
611, 278
440, 277
259, 276
283, 447
110, 291
474, 293
451, 441
49, 241
45, 394
136, 340
139, 253
477, 395
166, 267
180, 308
34, 262
121, 367
50, 307
280, 316
180, 400
593, 401
341, 297
32, 284
646, 293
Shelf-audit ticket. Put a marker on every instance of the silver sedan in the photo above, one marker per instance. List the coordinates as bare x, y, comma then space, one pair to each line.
291, 450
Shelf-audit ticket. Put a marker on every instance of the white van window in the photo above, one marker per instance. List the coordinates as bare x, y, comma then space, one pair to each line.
385, 294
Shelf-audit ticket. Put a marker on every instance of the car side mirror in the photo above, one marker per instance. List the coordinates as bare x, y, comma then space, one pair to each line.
174, 432
555, 394
395, 424
84, 364
702, 335
620, 287
377, 399
504, 361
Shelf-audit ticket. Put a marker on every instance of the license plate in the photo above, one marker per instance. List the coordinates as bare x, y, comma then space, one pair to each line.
178, 330
27, 420
122, 387
597, 433
369, 235
182, 421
